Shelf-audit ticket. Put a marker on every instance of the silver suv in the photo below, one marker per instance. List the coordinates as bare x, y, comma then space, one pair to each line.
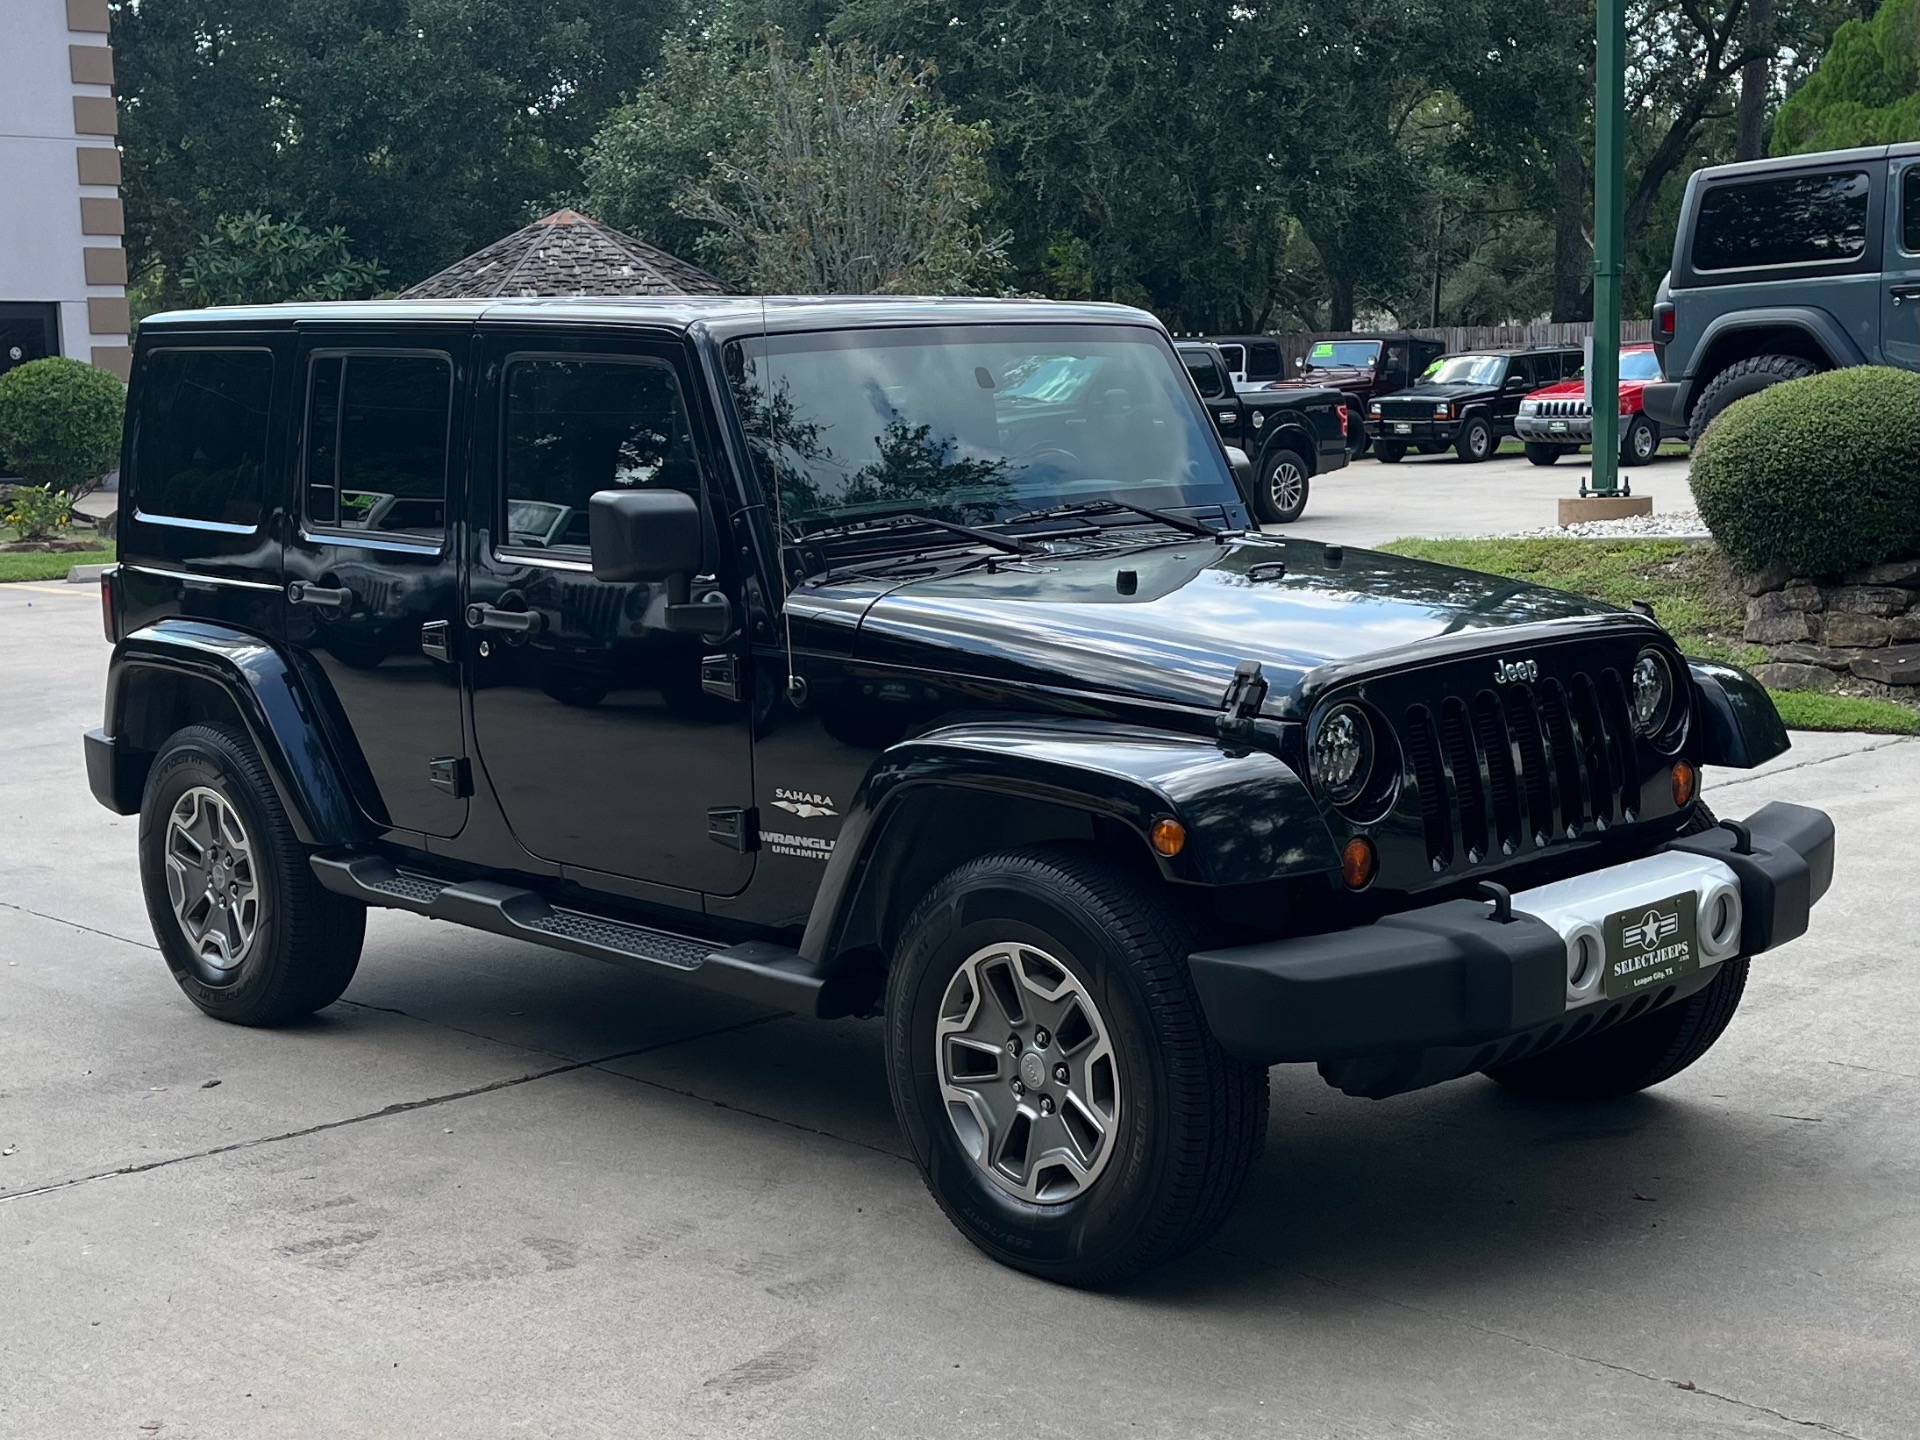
1785, 267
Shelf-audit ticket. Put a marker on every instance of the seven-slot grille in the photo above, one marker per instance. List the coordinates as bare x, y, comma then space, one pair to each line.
1561, 408
1521, 767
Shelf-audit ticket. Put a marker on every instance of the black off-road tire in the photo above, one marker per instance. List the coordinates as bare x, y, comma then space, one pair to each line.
1476, 440
1359, 439
1640, 442
1739, 380
1390, 452
1636, 1055
307, 942
1191, 1118
1541, 453
1281, 493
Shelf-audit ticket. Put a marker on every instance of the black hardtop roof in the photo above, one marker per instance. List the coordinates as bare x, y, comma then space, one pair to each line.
1522, 349
723, 316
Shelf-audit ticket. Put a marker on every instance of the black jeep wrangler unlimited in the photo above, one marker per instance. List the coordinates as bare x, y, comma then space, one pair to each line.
911, 658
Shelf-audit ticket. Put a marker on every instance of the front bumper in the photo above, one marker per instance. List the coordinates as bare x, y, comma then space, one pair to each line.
1443, 991
1555, 429
1413, 430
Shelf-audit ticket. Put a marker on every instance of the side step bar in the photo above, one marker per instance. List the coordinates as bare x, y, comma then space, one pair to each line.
764, 973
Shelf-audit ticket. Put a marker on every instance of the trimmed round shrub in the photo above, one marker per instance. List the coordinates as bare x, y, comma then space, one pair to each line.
1820, 475
60, 422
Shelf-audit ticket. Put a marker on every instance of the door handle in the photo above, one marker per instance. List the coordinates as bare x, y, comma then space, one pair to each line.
512, 622
1905, 292
319, 597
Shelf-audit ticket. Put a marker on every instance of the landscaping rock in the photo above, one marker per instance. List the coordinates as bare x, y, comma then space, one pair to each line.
1862, 631
1904, 627
1795, 677
1882, 600
1899, 665
1782, 629
1822, 655
1894, 572
1761, 581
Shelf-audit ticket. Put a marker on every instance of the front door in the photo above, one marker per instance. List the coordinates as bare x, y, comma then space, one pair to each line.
372, 580
1900, 303
610, 718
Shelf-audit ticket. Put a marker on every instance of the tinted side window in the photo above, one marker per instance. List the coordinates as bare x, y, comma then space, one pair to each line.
1207, 378
1796, 220
200, 446
376, 454
576, 426
1910, 209
1263, 362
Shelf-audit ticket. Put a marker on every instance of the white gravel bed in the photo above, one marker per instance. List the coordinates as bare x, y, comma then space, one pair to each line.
1662, 525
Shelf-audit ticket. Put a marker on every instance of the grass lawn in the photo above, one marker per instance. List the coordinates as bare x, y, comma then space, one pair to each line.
1693, 595
47, 565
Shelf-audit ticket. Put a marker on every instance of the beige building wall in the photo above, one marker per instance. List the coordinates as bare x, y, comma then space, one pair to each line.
61, 220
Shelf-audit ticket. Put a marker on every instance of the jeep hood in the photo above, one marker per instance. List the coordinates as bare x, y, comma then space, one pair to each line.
1196, 610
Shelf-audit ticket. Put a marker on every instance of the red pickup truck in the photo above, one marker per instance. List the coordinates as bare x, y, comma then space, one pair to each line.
1558, 420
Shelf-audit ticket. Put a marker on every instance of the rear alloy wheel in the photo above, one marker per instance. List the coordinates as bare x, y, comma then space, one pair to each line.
1540, 453
1475, 442
1055, 1079
1282, 492
1640, 442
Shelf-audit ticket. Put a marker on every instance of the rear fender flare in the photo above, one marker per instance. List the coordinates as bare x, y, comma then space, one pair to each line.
269, 700
1248, 818
1290, 433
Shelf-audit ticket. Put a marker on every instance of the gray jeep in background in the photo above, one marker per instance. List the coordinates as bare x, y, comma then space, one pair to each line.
1782, 268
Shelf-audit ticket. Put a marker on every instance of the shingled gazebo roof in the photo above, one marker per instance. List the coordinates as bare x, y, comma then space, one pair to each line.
567, 253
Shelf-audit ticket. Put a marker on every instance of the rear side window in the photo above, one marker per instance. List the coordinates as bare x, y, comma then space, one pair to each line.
576, 426
376, 450
1910, 210
1795, 220
1207, 378
200, 440
1263, 362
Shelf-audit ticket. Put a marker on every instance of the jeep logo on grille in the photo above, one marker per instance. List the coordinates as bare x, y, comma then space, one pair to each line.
1508, 671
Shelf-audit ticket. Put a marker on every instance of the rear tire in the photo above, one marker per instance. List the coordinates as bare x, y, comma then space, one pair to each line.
1282, 492
1183, 1121
1636, 1055
248, 932
1475, 441
1540, 453
1739, 380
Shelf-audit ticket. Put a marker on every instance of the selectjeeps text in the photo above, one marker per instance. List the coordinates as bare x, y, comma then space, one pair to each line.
912, 658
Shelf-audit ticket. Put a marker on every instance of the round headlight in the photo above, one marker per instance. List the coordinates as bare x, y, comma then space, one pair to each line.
1341, 756
1652, 693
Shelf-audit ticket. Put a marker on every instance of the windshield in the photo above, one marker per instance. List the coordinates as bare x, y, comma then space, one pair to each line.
1634, 365
973, 424
1467, 370
1328, 353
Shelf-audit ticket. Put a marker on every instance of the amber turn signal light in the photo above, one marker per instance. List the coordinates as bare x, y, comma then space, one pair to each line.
1686, 783
1358, 862
1168, 835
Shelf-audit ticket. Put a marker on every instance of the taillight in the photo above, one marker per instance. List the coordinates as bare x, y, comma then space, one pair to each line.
1345, 418
107, 621
1663, 321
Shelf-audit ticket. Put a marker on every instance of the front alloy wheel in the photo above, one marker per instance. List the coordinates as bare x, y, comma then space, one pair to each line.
1027, 1072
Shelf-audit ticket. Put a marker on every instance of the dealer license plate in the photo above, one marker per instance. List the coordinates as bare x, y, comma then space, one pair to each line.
1556, 425
1403, 429
1650, 945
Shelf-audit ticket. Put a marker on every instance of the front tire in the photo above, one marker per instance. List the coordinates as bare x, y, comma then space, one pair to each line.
1282, 492
1636, 1055
1641, 442
1052, 1072
249, 934
1475, 441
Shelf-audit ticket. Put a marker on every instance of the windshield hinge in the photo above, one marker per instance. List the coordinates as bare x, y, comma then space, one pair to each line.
1240, 706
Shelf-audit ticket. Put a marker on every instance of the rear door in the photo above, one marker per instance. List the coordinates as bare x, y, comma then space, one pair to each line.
1900, 302
372, 584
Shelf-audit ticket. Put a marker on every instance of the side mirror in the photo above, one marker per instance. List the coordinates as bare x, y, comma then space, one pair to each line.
1299, 362
637, 535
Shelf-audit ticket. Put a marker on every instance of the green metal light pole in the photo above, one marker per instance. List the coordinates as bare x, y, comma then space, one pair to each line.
1609, 238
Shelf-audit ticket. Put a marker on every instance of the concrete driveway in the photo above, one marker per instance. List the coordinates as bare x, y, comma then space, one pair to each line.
500, 1191
1368, 503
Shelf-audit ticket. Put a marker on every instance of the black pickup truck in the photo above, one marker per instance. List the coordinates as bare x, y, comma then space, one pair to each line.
1289, 436
919, 659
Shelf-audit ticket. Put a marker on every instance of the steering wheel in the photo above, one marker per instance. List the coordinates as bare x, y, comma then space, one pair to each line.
1055, 455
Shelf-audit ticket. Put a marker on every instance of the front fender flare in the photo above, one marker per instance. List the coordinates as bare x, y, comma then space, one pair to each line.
1248, 818
1736, 722
266, 693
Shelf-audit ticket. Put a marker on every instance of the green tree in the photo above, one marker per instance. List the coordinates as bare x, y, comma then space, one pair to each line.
60, 422
1866, 91
253, 259
423, 128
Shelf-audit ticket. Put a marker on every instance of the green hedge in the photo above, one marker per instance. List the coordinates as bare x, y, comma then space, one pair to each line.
60, 422
1821, 475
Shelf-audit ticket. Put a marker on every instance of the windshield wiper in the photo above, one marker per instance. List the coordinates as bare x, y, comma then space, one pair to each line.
1007, 544
1186, 524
